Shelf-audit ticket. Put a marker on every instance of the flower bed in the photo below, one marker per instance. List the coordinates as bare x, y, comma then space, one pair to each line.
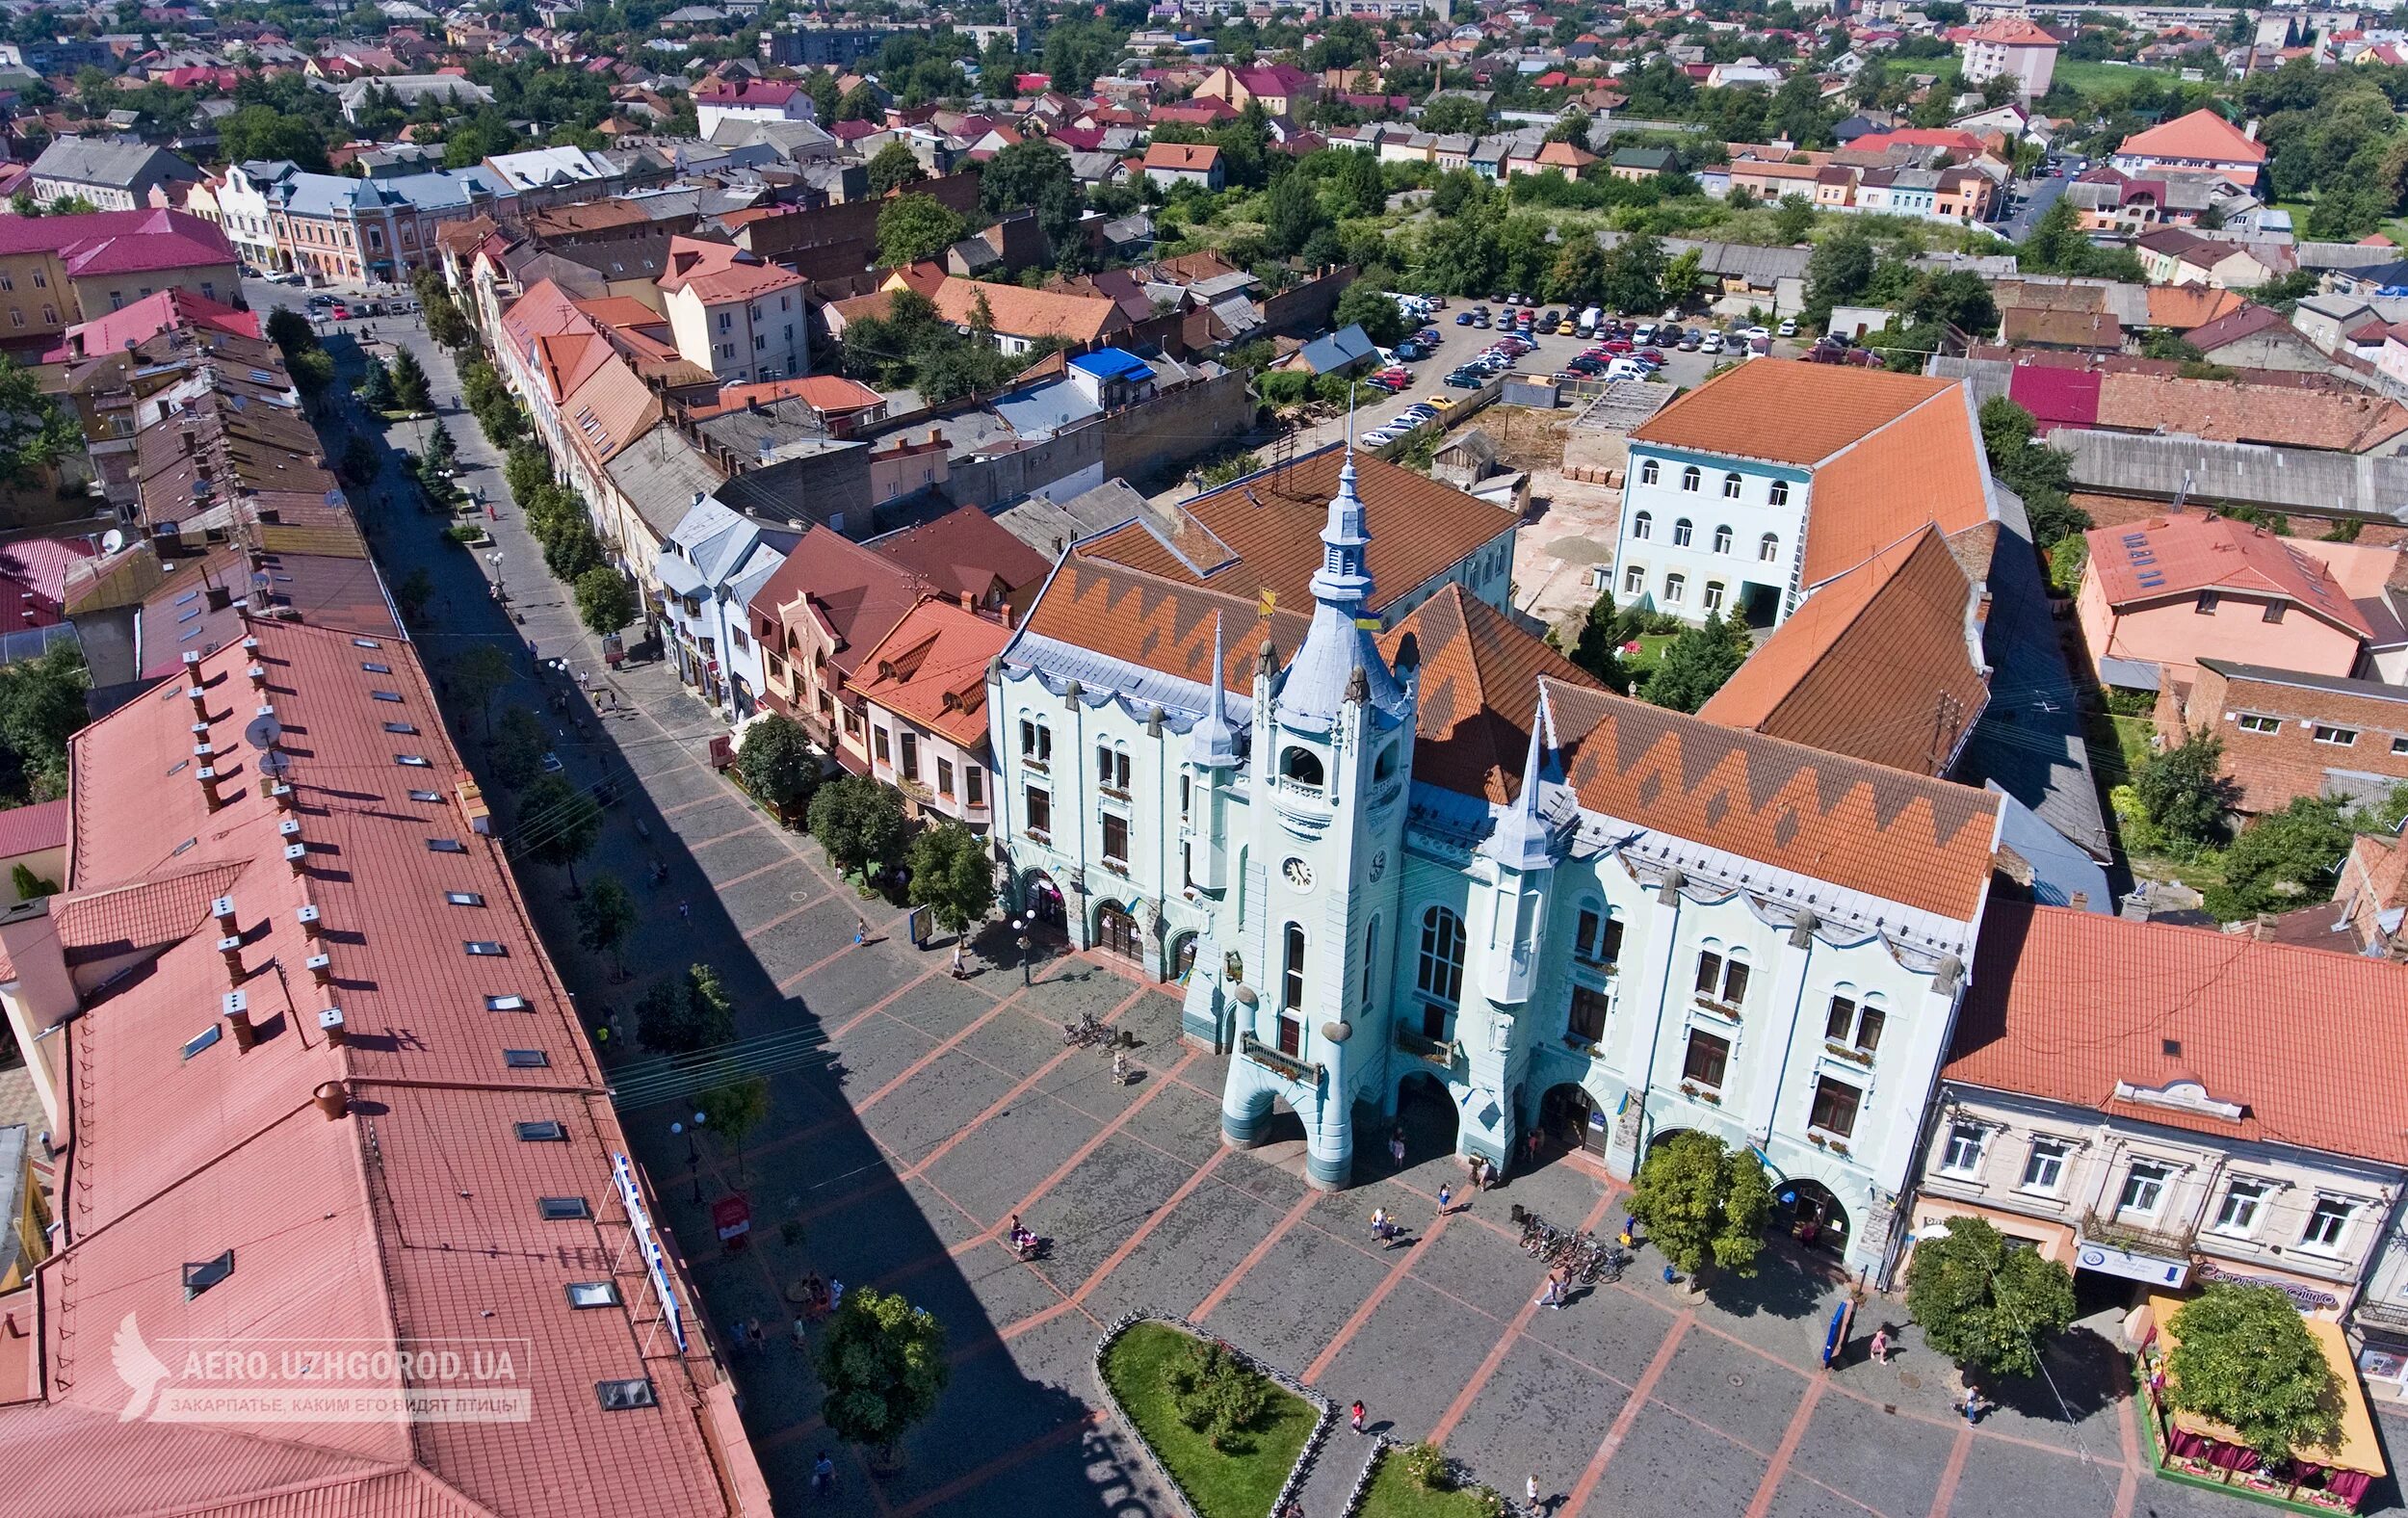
1389, 1488
1250, 1482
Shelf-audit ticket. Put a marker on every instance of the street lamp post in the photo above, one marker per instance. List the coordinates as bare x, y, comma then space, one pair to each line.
501, 587
693, 1155
1020, 927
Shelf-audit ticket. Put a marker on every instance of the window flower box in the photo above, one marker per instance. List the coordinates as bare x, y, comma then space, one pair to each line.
1837, 1051
1729, 1009
1040, 835
1699, 1093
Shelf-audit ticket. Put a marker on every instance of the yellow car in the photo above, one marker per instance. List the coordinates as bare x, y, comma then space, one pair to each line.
1441, 401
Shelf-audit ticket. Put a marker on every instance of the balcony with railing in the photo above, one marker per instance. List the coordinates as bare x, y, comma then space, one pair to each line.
2139, 1238
1440, 1052
1277, 1062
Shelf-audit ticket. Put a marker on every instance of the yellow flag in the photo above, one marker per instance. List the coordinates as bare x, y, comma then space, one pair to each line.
1368, 624
1271, 598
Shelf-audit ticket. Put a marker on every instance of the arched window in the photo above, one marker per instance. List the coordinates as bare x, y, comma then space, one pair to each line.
1036, 740
1713, 595
1780, 495
1675, 586
1647, 472
1730, 487
1302, 766
1386, 764
1371, 964
1641, 525
1683, 533
1769, 548
1292, 994
1441, 975
1689, 478
1722, 539
1634, 579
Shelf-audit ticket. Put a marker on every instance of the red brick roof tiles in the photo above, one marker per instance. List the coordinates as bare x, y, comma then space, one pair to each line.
2186, 552
2314, 1046
2201, 135
1905, 838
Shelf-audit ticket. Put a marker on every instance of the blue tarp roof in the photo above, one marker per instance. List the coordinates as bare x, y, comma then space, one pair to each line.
1111, 363
1346, 346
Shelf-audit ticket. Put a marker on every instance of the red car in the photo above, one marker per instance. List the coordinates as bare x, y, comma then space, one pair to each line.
1653, 355
339, 313
1618, 347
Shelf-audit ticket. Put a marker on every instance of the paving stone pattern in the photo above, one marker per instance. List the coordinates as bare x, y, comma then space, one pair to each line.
921, 1113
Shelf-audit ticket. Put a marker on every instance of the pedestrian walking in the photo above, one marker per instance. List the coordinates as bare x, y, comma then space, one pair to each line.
685, 913
835, 1294
1446, 1196
800, 1341
1395, 1147
1882, 1346
958, 970
1354, 1415
1529, 1490
860, 929
1972, 1407
760, 1340
824, 1475
1381, 1229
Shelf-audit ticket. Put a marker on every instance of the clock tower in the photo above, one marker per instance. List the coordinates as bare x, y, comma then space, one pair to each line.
1307, 917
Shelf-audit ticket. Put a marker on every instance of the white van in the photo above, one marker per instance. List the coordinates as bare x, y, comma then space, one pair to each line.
1589, 320
1626, 369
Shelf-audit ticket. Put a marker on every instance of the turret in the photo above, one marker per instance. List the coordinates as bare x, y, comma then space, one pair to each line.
1214, 752
1521, 849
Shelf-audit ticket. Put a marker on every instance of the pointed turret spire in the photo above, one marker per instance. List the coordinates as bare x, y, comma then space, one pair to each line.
1521, 836
1214, 743
1343, 639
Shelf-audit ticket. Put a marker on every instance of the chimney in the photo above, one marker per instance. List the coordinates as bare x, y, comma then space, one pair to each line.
321, 968
190, 441
258, 673
230, 950
238, 1020
313, 925
331, 1097
191, 674
2134, 907
223, 909
969, 602
2080, 901
208, 779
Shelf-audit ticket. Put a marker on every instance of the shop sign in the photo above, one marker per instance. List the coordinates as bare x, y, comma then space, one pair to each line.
2109, 1260
2306, 1298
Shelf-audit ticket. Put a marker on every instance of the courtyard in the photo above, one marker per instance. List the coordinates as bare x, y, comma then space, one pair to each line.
912, 1115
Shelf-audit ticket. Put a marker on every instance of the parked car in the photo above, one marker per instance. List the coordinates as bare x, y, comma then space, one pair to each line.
1618, 347
1480, 319
1463, 318
1755, 332
1789, 326
1410, 352
1464, 381
1440, 405
1693, 342
1713, 342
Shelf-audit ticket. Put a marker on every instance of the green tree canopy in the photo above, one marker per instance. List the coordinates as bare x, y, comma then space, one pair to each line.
1599, 647
2185, 792
42, 706
893, 166
777, 763
2245, 1358
518, 744
558, 823
1983, 1303
1839, 270
1792, 219
2284, 859
915, 227
1455, 114
1633, 274
686, 1013
605, 601
263, 131
605, 918
1705, 1204
857, 820
35, 432
951, 876
2042, 476
1363, 305
480, 670
1293, 214
409, 383
1698, 661
882, 1364
733, 1110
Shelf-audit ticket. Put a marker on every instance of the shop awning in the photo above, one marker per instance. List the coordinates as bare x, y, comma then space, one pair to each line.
2359, 1449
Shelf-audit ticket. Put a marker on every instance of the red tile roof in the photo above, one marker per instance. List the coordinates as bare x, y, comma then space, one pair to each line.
931, 668
2013, 30
721, 272
965, 551
119, 242
2203, 136
2180, 554
1787, 413
31, 829
33, 580
1478, 692
2065, 1005
331, 1222
174, 307
1185, 157
1875, 665
855, 595
1905, 838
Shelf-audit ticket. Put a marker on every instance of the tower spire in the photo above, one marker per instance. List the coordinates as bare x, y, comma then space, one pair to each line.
1343, 639
1215, 740
1520, 839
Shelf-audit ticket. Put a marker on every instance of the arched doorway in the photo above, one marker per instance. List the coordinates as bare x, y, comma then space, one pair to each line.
1116, 932
1572, 1119
1182, 957
1426, 1114
1041, 898
1663, 1137
1808, 1213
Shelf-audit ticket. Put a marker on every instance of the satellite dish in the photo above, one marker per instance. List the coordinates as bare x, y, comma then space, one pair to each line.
263, 732
112, 541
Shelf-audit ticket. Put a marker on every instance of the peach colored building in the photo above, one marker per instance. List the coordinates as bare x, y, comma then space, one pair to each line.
2158, 595
925, 688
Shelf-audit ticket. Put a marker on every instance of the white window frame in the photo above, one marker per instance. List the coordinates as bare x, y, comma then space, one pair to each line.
2327, 1227
1961, 1154
2148, 1179
2240, 1210
2044, 1167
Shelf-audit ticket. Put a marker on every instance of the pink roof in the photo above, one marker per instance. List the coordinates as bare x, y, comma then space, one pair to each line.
118, 241
747, 92
2202, 136
2186, 552
2013, 32
2056, 397
718, 272
174, 307
180, 1157
33, 579
31, 829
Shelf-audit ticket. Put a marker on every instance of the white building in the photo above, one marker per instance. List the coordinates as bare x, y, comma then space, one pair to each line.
709, 570
734, 313
1318, 826
751, 101
2015, 48
1746, 494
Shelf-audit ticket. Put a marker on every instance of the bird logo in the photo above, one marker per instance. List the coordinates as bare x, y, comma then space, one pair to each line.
138, 1367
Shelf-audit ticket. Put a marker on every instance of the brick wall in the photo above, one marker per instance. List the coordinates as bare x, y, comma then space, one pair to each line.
1164, 435
2273, 767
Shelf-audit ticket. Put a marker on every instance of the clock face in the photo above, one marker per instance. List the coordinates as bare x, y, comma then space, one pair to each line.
1299, 874
1380, 864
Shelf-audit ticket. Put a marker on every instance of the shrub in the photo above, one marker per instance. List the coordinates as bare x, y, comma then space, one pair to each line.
1214, 1394
1427, 1464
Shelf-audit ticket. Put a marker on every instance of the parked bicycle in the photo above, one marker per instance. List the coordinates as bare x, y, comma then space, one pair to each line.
1087, 1032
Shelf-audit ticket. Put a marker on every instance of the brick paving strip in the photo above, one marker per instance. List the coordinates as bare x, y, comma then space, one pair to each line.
1464, 1399
1629, 1415
1790, 1438
1945, 1494
1254, 1257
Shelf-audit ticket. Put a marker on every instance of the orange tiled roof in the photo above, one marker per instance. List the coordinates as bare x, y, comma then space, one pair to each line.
2349, 421
930, 668
722, 272
2186, 552
1874, 665
2312, 1046
1187, 157
2012, 31
2202, 134
1789, 413
610, 410
1271, 521
1904, 838
1160, 623
2186, 306
1927, 466
1478, 692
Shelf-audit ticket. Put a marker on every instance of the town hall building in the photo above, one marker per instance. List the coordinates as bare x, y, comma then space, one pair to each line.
1406, 857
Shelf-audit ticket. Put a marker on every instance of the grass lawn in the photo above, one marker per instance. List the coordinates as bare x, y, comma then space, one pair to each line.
1395, 1494
1651, 647
2097, 76
1221, 1485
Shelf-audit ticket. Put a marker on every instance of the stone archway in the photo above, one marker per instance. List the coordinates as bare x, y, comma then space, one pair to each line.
1426, 1114
1118, 932
1041, 898
1181, 957
1808, 1212
1569, 1117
